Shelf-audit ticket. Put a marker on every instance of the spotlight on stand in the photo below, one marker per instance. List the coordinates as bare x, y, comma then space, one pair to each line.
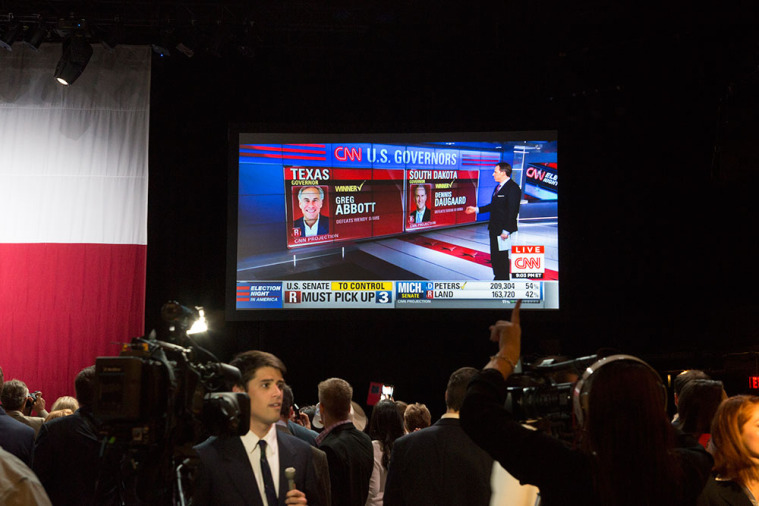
183, 320
200, 325
74, 58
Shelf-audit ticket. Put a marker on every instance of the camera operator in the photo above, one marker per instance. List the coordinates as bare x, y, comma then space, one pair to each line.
626, 455
67, 454
19, 404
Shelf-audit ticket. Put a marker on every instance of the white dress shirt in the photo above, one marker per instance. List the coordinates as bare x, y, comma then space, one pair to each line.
312, 230
250, 442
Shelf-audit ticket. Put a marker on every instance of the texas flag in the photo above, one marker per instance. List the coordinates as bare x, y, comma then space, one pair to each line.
73, 212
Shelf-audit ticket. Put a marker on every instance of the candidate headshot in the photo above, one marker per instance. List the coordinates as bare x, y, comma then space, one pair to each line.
312, 223
421, 213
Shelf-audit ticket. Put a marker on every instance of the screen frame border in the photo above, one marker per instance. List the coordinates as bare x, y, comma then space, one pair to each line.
326, 133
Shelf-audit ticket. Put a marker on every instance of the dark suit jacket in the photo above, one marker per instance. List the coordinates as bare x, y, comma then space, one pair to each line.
225, 476
426, 217
723, 493
322, 229
351, 460
67, 462
299, 431
504, 208
16, 438
438, 465
321, 467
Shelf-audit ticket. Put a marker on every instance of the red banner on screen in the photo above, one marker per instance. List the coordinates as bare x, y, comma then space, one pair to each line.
351, 204
438, 197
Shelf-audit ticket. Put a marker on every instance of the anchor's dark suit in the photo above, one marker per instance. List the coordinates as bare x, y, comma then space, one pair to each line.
503, 209
226, 477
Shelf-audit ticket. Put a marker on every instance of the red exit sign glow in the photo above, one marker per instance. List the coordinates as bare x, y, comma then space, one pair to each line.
753, 382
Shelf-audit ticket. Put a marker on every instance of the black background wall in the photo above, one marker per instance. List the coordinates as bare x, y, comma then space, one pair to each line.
657, 156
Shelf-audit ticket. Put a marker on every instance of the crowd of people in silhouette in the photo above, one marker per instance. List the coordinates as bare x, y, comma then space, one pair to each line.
625, 449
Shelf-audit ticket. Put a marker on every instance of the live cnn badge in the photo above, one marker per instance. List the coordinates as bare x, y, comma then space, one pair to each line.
528, 261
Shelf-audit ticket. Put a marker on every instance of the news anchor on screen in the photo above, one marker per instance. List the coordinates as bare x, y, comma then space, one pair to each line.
312, 223
503, 209
421, 213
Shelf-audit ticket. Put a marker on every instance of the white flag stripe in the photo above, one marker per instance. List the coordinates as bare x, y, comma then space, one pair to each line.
73, 160
70, 209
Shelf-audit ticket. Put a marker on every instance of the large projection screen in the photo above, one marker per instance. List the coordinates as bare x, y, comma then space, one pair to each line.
379, 221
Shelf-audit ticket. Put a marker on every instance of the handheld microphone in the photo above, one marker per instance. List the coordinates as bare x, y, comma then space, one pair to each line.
290, 474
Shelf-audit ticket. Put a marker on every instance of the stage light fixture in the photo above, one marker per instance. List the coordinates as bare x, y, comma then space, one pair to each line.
201, 324
74, 58
167, 42
35, 35
8, 36
187, 40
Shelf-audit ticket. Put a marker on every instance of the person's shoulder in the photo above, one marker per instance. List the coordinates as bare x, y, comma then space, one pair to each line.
365, 440
446, 425
302, 432
720, 490
16, 415
293, 441
361, 435
16, 472
207, 446
414, 443
62, 423
401, 441
351, 431
416, 437
11, 424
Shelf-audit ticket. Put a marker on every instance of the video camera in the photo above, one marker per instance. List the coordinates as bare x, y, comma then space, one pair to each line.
541, 394
156, 400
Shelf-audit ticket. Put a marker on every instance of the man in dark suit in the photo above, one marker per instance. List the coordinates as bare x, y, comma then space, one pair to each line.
287, 414
349, 451
440, 464
250, 469
321, 466
503, 209
422, 212
312, 223
67, 454
15, 437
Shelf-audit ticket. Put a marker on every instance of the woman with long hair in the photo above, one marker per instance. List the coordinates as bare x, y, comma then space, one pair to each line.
696, 407
627, 454
629, 440
735, 446
385, 426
